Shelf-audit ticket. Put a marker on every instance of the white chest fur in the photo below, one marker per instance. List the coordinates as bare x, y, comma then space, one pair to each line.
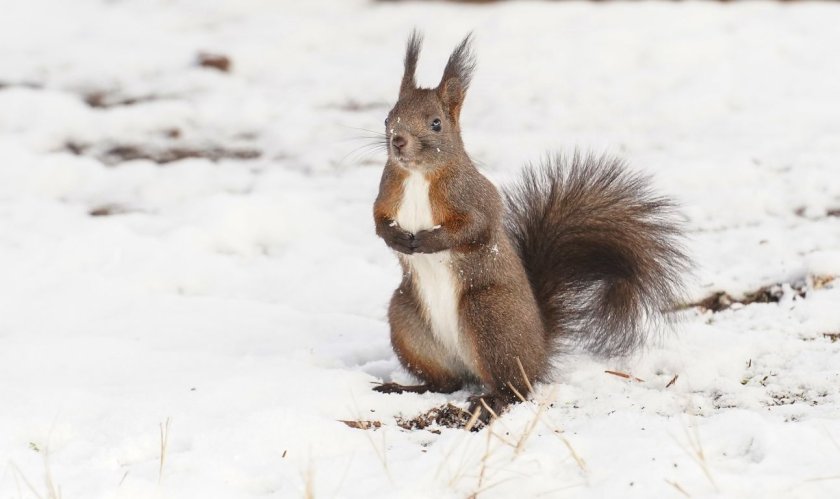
432, 274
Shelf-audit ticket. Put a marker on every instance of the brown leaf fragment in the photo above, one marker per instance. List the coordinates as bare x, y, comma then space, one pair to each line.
361, 425
214, 61
821, 281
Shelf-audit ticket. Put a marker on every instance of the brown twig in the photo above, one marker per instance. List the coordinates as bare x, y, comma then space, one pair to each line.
624, 375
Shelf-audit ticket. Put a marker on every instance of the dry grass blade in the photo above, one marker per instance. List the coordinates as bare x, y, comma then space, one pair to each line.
502, 439
678, 487
559, 434
26, 482
52, 491
520, 445
473, 419
524, 376
673, 380
164, 445
484, 459
489, 410
308, 483
698, 455
381, 455
823, 478
539, 416
517, 393
624, 375
494, 484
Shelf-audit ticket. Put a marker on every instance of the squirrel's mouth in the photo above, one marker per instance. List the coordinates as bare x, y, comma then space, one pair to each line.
404, 160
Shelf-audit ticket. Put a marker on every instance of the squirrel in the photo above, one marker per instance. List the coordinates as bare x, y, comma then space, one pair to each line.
580, 252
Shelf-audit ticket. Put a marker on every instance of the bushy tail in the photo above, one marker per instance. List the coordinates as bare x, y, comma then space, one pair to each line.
602, 252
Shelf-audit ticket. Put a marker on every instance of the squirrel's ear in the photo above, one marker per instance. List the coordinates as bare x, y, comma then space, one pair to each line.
412, 52
456, 78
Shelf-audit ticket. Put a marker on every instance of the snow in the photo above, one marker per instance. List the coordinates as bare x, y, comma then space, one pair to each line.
244, 300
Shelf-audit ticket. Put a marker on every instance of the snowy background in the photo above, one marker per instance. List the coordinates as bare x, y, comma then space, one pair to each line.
190, 251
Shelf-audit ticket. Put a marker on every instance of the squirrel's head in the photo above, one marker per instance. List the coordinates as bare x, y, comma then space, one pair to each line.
423, 129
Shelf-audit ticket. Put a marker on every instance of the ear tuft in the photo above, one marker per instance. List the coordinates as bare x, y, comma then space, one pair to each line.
457, 76
412, 53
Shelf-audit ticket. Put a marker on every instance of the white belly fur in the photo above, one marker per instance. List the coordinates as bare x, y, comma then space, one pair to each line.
433, 276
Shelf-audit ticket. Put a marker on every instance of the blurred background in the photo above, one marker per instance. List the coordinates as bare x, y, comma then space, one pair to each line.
185, 213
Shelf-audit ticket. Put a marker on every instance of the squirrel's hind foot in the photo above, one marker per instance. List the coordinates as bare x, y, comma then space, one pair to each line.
496, 402
398, 388
425, 387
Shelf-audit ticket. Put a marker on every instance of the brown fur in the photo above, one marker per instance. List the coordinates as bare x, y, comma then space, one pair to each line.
518, 270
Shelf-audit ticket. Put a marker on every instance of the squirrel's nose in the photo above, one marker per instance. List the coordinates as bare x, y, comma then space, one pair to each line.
399, 142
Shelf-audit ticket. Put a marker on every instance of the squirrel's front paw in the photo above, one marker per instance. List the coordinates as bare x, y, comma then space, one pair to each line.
399, 239
428, 241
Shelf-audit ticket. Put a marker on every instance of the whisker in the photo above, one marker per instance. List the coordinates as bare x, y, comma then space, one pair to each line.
365, 150
360, 137
364, 130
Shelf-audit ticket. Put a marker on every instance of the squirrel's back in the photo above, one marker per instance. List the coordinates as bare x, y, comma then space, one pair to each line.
601, 251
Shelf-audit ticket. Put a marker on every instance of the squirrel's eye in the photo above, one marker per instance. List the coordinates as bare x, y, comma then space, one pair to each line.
386, 121
436, 125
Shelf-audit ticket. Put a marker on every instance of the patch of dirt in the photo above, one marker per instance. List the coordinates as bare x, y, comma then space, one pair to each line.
75, 148
172, 133
107, 100
108, 210
802, 212
20, 84
218, 62
778, 398
447, 416
721, 300
121, 153
446, 1
353, 105
832, 336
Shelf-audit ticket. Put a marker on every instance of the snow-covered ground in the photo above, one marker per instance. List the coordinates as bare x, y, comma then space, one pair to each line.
239, 304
